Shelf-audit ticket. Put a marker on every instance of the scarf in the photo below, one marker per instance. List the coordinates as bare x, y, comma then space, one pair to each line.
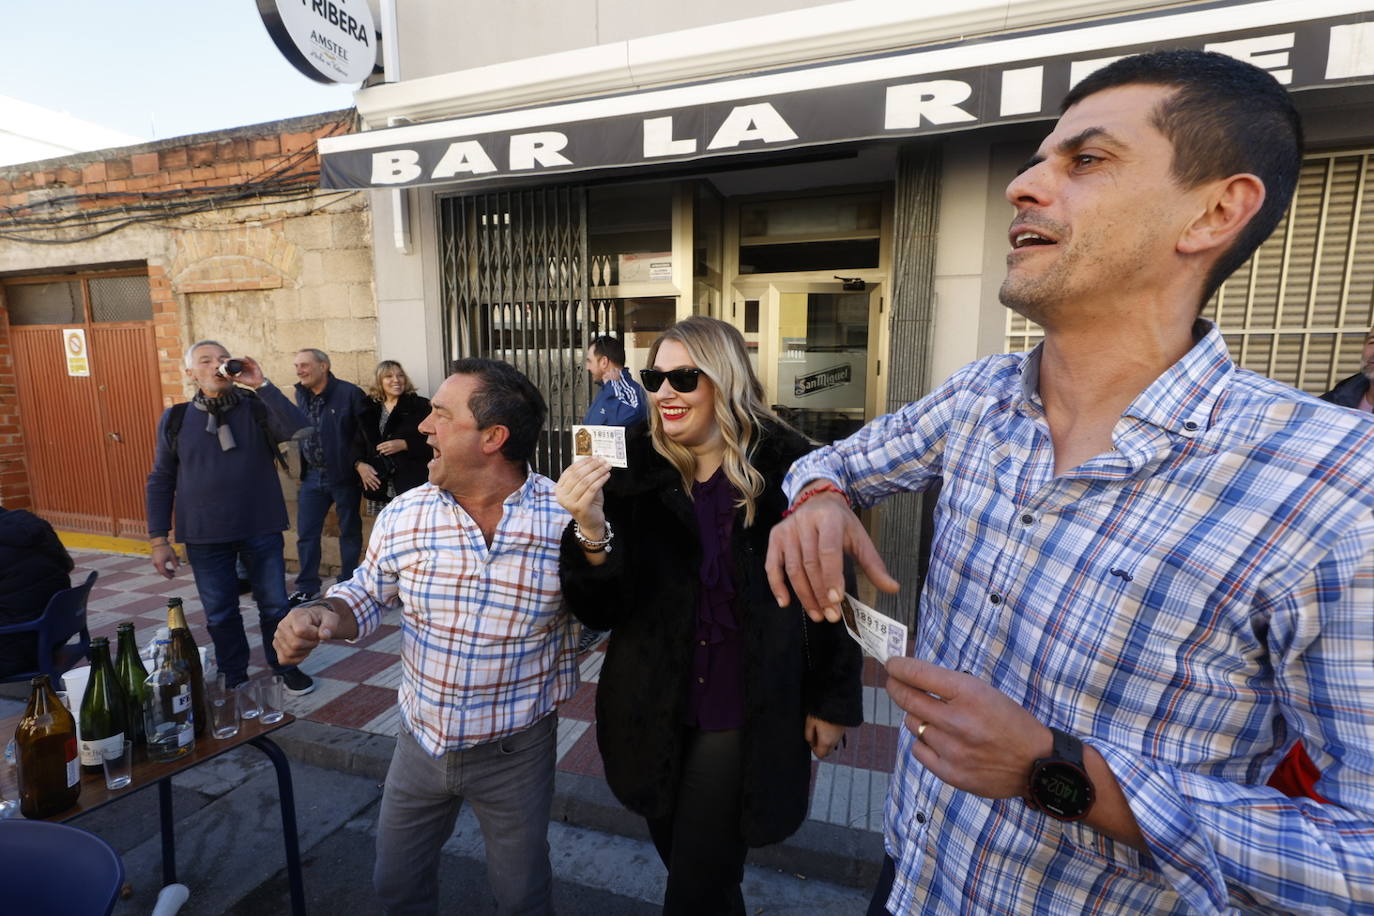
215, 408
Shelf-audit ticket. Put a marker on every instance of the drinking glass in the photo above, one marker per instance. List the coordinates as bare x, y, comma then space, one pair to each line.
272, 692
119, 765
9, 807
224, 707
250, 707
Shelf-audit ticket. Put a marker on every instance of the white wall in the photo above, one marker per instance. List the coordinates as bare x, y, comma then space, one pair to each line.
475, 33
970, 255
409, 326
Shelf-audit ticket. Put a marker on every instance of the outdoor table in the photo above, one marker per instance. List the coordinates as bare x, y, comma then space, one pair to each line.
145, 773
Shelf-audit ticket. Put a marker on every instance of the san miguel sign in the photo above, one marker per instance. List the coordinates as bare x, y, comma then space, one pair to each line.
932, 90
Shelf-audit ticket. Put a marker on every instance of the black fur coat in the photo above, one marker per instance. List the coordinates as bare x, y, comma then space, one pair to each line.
646, 594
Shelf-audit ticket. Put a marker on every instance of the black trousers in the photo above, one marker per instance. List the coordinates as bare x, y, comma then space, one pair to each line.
700, 842
886, 878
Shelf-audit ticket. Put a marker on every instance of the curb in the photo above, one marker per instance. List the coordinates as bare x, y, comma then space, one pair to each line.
840, 855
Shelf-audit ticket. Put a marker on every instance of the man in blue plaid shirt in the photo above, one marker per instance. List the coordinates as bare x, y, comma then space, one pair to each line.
488, 650
1152, 571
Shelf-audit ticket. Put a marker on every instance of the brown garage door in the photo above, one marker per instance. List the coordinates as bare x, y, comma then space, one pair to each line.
88, 439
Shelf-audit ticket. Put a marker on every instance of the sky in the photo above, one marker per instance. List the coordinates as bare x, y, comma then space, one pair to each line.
154, 68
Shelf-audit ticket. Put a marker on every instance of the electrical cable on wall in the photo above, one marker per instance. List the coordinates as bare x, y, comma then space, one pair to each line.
29, 223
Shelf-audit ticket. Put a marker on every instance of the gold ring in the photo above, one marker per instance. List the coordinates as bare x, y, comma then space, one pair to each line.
921, 730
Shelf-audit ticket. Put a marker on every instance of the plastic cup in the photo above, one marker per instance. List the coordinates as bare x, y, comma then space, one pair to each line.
250, 707
119, 766
272, 693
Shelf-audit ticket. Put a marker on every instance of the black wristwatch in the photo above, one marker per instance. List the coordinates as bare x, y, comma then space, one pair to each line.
1059, 784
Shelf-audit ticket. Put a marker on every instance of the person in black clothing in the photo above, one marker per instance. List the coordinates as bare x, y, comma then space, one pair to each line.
34, 566
1357, 391
710, 694
392, 455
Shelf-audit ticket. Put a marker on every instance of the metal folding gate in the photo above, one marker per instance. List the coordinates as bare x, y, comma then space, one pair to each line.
515, 280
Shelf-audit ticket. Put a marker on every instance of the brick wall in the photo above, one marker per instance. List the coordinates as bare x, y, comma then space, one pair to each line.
14, 481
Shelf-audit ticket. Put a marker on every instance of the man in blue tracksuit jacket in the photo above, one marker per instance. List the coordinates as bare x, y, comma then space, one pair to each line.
620, 402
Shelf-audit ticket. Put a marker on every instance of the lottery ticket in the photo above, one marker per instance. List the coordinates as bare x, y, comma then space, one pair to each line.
600, 442
880, 635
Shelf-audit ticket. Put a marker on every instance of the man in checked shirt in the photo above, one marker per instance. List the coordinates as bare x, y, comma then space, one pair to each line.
1152, 571
488, 651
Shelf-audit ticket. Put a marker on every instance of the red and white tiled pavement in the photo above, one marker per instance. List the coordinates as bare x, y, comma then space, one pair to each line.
355, 687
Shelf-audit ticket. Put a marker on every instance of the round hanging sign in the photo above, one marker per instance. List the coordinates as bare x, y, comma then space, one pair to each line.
330, 41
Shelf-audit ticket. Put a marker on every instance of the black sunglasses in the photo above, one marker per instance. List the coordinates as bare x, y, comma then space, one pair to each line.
682, 380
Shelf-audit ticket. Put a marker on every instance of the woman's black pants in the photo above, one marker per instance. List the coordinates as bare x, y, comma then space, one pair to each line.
700, 842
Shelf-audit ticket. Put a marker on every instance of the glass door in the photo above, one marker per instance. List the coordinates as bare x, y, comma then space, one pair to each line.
817, 348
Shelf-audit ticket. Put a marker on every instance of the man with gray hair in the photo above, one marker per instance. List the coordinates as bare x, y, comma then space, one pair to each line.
328, 456
215, 464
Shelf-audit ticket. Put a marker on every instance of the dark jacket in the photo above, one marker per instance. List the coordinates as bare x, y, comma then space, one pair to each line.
223, 496
343, 405
646, 595
410, 467
1348, 392
33, 567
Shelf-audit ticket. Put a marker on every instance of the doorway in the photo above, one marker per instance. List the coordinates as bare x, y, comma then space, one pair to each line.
88, 438
817, 348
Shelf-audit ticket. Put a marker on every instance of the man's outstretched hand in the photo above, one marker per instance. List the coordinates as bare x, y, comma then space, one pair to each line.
807, 550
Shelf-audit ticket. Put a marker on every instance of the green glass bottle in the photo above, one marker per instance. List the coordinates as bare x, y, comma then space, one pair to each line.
183, 651
103, 717
45, 750
131, 674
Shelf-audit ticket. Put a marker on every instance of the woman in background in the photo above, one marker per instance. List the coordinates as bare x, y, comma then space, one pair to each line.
711, 695
392, 456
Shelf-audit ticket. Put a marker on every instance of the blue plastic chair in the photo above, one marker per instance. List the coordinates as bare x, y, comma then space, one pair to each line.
63, 618
57, 870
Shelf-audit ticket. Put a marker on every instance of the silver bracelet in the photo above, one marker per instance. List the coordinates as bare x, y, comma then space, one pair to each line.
593, 546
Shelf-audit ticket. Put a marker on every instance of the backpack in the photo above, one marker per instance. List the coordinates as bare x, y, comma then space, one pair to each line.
255, 407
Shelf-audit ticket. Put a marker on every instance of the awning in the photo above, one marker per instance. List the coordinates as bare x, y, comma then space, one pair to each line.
1306, 44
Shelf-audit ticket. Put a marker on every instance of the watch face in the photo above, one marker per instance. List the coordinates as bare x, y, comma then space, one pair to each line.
1061, 789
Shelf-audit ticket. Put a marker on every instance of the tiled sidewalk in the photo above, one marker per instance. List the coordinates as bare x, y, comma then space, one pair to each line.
356, 688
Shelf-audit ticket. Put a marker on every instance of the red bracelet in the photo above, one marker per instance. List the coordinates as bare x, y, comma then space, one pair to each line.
823, 488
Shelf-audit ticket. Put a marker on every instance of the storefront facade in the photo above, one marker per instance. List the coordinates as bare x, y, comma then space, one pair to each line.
827, 176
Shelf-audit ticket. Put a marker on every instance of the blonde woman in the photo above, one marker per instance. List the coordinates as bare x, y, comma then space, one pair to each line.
711, 694
390, 451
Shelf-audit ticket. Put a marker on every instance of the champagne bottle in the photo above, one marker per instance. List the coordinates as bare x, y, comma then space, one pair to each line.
131, 674
46, 752
103, 719
168, 719
183, 649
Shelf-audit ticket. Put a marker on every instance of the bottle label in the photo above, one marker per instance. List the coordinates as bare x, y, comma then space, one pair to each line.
182, 701
93, 752
73, 763
186, 735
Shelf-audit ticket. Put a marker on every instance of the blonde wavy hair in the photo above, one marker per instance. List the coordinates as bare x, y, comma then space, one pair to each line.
386, 366
740, 409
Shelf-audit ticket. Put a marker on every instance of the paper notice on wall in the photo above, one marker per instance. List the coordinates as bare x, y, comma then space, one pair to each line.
656, 267
600, 442
880, 635
74, 348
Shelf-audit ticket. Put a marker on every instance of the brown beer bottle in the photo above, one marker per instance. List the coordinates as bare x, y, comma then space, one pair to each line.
184, 652
45, 749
